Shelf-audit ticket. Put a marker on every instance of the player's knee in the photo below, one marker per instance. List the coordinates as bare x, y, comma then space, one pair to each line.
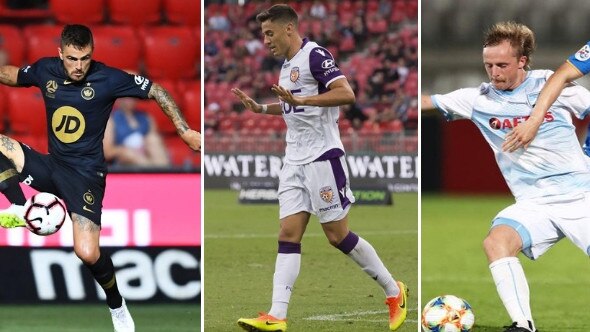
88, 255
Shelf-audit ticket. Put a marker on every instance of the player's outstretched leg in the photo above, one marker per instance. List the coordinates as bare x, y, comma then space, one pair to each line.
9, 186
363, 253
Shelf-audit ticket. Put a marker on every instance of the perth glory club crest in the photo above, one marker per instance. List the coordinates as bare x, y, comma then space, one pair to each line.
294, 74
327, 194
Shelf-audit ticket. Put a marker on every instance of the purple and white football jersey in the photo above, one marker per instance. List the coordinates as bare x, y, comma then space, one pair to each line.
311, 130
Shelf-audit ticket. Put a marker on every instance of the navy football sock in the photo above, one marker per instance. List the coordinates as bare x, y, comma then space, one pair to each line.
103, 272
9, 184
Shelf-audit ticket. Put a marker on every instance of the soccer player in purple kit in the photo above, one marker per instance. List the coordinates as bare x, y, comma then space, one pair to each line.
79, 94
314, 179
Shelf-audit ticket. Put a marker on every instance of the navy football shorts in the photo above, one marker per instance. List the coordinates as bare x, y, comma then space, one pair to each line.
81, 190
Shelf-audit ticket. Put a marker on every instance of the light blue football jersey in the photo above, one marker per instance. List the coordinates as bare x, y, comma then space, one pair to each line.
554, 163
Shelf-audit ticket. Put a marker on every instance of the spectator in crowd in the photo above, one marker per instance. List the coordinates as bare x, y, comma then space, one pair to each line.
132, 139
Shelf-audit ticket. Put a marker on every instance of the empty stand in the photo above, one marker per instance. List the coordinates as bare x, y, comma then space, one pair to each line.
12, 42
135, 12
183, 12
26, 111
192, 105
42, 41
82, 12
117, 46
171, 52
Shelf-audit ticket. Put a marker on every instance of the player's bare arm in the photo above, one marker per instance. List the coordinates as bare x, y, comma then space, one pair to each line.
191, 137
339, 93
251, 104
523, 134
426, 103
8, 75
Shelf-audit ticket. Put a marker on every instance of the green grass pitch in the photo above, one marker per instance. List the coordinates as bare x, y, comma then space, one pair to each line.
96, 318
453, 262
331, 293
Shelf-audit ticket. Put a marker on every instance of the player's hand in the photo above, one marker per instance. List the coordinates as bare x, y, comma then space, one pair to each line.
192, 138
286, 96
521, 136
248, 102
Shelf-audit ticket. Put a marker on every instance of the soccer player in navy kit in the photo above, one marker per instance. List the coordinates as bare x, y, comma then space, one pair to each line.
79, 94
314, 179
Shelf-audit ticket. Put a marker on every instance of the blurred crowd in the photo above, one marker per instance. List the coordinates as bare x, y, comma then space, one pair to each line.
375, 43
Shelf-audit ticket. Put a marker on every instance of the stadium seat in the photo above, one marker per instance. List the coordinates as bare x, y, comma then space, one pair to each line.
192, 105
180, 59
65, 12
12, 42
180, 154
183, 12
37, 142
117, 46
42, 41
135, 12
26, 111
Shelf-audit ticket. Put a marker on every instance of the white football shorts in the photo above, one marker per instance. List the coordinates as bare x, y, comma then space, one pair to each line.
321, 188
542, 223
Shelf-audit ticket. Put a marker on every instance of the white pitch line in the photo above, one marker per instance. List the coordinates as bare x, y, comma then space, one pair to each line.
349, 315
260, 236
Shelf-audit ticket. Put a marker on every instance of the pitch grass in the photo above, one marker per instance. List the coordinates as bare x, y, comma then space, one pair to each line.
96, 318
331, 293
453, 262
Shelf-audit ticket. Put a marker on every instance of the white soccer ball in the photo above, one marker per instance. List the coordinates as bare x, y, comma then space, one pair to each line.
447, 313
44, 214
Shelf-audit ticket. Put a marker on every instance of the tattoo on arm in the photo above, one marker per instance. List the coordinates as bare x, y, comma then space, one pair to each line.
169, 107
84, 223
7, 143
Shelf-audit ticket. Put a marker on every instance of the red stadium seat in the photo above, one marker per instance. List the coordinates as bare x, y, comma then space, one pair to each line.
181, 52
180, 154
12, 42
42, 41
117, 46
26, 111
135, 12
192, 105
183, 12
39, 143
65, 12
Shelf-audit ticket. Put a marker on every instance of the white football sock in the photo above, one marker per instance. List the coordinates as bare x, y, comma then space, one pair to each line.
286, 271
513, 289
366, 257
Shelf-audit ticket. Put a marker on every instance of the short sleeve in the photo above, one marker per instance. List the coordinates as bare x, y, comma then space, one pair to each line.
581, 59
28, 75
129, 85
576, 99
457, 104
323, 67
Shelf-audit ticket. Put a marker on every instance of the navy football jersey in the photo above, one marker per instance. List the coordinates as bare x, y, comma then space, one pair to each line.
77, 112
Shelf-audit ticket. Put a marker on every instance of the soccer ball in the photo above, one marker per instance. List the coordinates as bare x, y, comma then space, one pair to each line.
44, 214
447, 313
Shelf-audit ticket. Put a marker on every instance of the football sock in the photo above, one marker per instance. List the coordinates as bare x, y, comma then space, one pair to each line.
513, 289
103, 272
9, 184
287, 268
363, 253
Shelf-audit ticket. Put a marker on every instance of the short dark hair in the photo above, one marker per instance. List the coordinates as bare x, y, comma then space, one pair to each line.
76, 35
283, 13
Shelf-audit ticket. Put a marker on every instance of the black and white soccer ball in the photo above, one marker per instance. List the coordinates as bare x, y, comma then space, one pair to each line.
45, 213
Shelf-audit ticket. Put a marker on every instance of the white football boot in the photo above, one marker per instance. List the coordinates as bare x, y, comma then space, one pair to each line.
122, 321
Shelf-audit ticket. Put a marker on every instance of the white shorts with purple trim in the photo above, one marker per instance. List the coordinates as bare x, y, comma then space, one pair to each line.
321, 188
542, 223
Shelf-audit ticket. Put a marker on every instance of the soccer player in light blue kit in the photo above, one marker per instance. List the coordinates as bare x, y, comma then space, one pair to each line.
550, 179
576, 66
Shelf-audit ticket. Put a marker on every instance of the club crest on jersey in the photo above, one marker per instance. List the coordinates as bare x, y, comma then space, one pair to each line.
51, 87
583, 54
87, 93
88, 198
294, 76
326, 194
